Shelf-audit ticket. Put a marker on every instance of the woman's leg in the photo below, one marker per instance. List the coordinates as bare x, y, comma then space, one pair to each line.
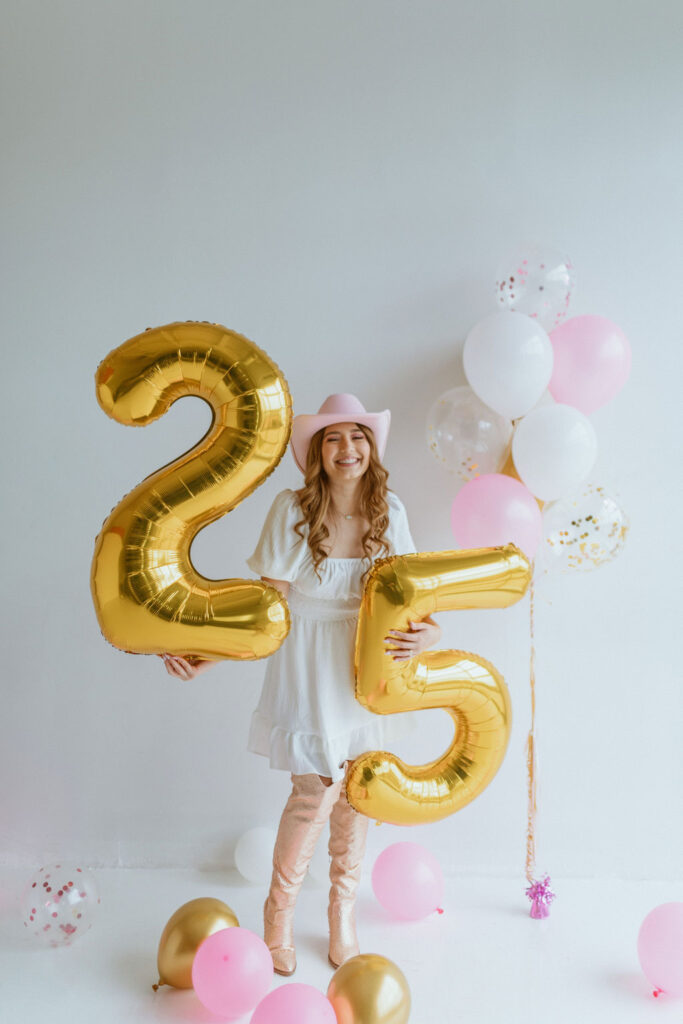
308, 808
348, 833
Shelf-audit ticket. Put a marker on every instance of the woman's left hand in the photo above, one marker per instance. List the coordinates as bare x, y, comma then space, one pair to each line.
408, 645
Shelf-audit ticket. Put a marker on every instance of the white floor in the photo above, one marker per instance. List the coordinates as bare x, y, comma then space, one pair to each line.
483, 960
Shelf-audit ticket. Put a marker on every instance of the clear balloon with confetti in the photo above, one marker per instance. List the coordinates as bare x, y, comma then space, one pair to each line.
465, 436
537, 281
583, 532
59, 904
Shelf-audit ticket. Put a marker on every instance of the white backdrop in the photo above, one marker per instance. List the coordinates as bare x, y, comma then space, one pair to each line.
336, 180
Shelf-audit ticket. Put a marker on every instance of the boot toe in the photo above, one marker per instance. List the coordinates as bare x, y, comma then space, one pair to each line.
284, 960
340, 953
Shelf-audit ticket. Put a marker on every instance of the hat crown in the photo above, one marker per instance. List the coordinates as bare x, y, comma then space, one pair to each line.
349, 405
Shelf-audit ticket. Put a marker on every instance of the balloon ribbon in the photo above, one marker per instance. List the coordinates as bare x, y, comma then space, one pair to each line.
539, 892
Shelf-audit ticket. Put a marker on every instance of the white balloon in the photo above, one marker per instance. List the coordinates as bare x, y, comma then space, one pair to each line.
254, 854
554, 449
508, 361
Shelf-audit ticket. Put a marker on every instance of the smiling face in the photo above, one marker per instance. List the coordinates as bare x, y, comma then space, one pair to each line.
345, 452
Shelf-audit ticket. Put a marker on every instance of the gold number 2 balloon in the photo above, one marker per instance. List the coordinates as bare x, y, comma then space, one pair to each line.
148, 596
405, 588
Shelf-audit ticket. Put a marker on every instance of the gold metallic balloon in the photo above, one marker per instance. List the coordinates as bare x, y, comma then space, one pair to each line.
148, 596
369, 989
184, 934
406, 588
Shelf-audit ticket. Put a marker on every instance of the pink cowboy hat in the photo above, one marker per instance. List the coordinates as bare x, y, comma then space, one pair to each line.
337, 409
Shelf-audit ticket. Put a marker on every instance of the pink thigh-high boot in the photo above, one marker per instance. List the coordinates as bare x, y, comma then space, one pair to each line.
308, 808
348, 833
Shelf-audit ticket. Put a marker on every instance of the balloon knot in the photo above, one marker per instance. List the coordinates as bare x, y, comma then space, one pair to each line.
158, 985
439, 910
657, 992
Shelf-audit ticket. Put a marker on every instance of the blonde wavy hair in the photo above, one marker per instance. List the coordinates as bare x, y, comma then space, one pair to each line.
314, 502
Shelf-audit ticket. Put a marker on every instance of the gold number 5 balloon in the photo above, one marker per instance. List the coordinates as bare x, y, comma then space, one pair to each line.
410, 587
148, 596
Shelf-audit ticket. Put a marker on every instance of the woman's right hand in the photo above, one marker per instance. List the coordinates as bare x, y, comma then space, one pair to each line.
184, 669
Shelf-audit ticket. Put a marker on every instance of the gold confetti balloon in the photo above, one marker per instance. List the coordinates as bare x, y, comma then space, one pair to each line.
465, 436
583, 532
369, 989
184, 933
407, 588
148, 596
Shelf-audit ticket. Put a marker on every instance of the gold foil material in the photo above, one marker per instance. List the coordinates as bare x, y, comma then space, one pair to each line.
148, 596
411, 587
369, 989
184, 934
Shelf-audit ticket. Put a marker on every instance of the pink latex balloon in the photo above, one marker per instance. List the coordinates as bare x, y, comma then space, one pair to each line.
294, 1004
408, 881
592, 361
660, 948
493, 510
232, 970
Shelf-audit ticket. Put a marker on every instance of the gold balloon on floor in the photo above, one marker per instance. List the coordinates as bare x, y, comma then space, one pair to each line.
184, 934
148, 596
369, 989
407, 588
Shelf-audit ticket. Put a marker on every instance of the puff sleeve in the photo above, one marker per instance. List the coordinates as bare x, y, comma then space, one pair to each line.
398, 534
280, 550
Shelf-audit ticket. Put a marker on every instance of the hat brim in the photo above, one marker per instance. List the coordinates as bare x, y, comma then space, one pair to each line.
305, 426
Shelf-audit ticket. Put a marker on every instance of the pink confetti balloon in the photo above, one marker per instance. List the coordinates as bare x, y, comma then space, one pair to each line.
232, 971
294, 1004
494, 510
591, 364
660, 948
59, 904
408, 881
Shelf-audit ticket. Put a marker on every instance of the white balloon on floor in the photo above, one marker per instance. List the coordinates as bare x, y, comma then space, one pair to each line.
554, 449
254, 854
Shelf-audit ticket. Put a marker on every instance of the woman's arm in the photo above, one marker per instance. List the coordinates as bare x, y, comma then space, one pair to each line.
281, 585
186, 669
424, 634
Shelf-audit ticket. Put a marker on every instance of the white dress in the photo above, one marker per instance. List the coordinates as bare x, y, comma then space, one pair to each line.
308, 719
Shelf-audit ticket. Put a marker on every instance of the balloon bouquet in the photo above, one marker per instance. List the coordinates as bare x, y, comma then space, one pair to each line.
520, 439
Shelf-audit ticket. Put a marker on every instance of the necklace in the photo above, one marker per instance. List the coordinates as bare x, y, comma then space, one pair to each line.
346, 515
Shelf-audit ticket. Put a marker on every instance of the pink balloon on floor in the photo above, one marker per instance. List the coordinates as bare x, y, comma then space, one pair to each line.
294, 1004
592, 361
660, 948
232, 971
408, 881
493, 510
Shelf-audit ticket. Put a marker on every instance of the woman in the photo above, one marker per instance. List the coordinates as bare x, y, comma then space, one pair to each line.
316, 546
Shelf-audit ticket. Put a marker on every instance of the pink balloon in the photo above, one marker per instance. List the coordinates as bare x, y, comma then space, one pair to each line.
592, 361
294, 1004
660, 948
408, 881
493, 510
232, 970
